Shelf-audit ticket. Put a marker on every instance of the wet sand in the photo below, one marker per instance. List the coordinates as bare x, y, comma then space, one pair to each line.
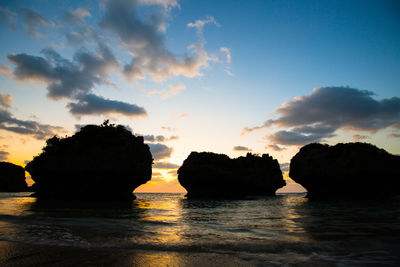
18, 254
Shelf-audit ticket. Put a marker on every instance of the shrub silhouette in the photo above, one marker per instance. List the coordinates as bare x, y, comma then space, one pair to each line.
12, 178
213, 175
352, 170
104, 161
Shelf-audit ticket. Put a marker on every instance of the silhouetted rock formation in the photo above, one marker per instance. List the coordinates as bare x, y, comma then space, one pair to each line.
353, 170
12, 178
213, 175
104, 161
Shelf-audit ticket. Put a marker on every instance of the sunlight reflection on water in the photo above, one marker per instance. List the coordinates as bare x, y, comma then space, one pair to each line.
285, 228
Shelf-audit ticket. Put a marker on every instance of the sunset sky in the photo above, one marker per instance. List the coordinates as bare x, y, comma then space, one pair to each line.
222, 76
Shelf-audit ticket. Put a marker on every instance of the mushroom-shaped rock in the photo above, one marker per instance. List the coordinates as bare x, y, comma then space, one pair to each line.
104, 161
213, 175
12, 178
352, 170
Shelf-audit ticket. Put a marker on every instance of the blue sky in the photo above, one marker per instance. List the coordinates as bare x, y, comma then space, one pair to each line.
249, 80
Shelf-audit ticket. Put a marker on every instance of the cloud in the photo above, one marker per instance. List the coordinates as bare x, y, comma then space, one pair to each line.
81, 32
165, 165
5, 70
241, 148
199, 24
8, 17
78, 14
314, 117
394, 135
284, 167
173, 172
31, 20
182, 115
4, 155
295, 138
168, 128
227, 53
65, 78
158, 138
174, 90
5, 100
94, 105
275, 147
229, 72
27, 127
160, 151
146, 43
164, 3
75, 79
358, 137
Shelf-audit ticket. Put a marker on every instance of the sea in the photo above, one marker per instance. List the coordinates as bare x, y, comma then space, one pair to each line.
282, 230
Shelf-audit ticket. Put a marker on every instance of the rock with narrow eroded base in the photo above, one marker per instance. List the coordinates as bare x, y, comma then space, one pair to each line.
105, 162
12, 178
213, 175
352, 170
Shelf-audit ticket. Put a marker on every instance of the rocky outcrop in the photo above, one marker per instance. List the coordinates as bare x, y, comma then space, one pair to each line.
352, 170
104, 161
12, 178
213, 175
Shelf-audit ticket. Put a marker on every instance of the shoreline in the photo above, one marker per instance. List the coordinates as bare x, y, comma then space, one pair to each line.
21, 254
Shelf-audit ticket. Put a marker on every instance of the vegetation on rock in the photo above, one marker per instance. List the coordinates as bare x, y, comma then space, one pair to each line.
213, 175
105, 161
352, 170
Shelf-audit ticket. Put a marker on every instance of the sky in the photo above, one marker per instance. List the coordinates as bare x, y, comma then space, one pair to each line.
227, 77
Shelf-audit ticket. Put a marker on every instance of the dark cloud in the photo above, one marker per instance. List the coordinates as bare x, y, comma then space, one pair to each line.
165, 165
296, 138
284, 167
5, 100
394, 135
78, 31
31, 20
275, 147
145, 39
4, 155
319, 115
75, 79
65, 78
158, 138
93, 105
27, 127
75, 38
76, 16
8, 17
160, 151
241, 148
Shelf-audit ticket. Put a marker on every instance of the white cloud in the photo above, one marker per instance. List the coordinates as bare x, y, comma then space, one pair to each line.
164, 94
227, 54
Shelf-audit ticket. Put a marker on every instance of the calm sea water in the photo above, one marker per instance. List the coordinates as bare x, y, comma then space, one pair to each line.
282, 230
